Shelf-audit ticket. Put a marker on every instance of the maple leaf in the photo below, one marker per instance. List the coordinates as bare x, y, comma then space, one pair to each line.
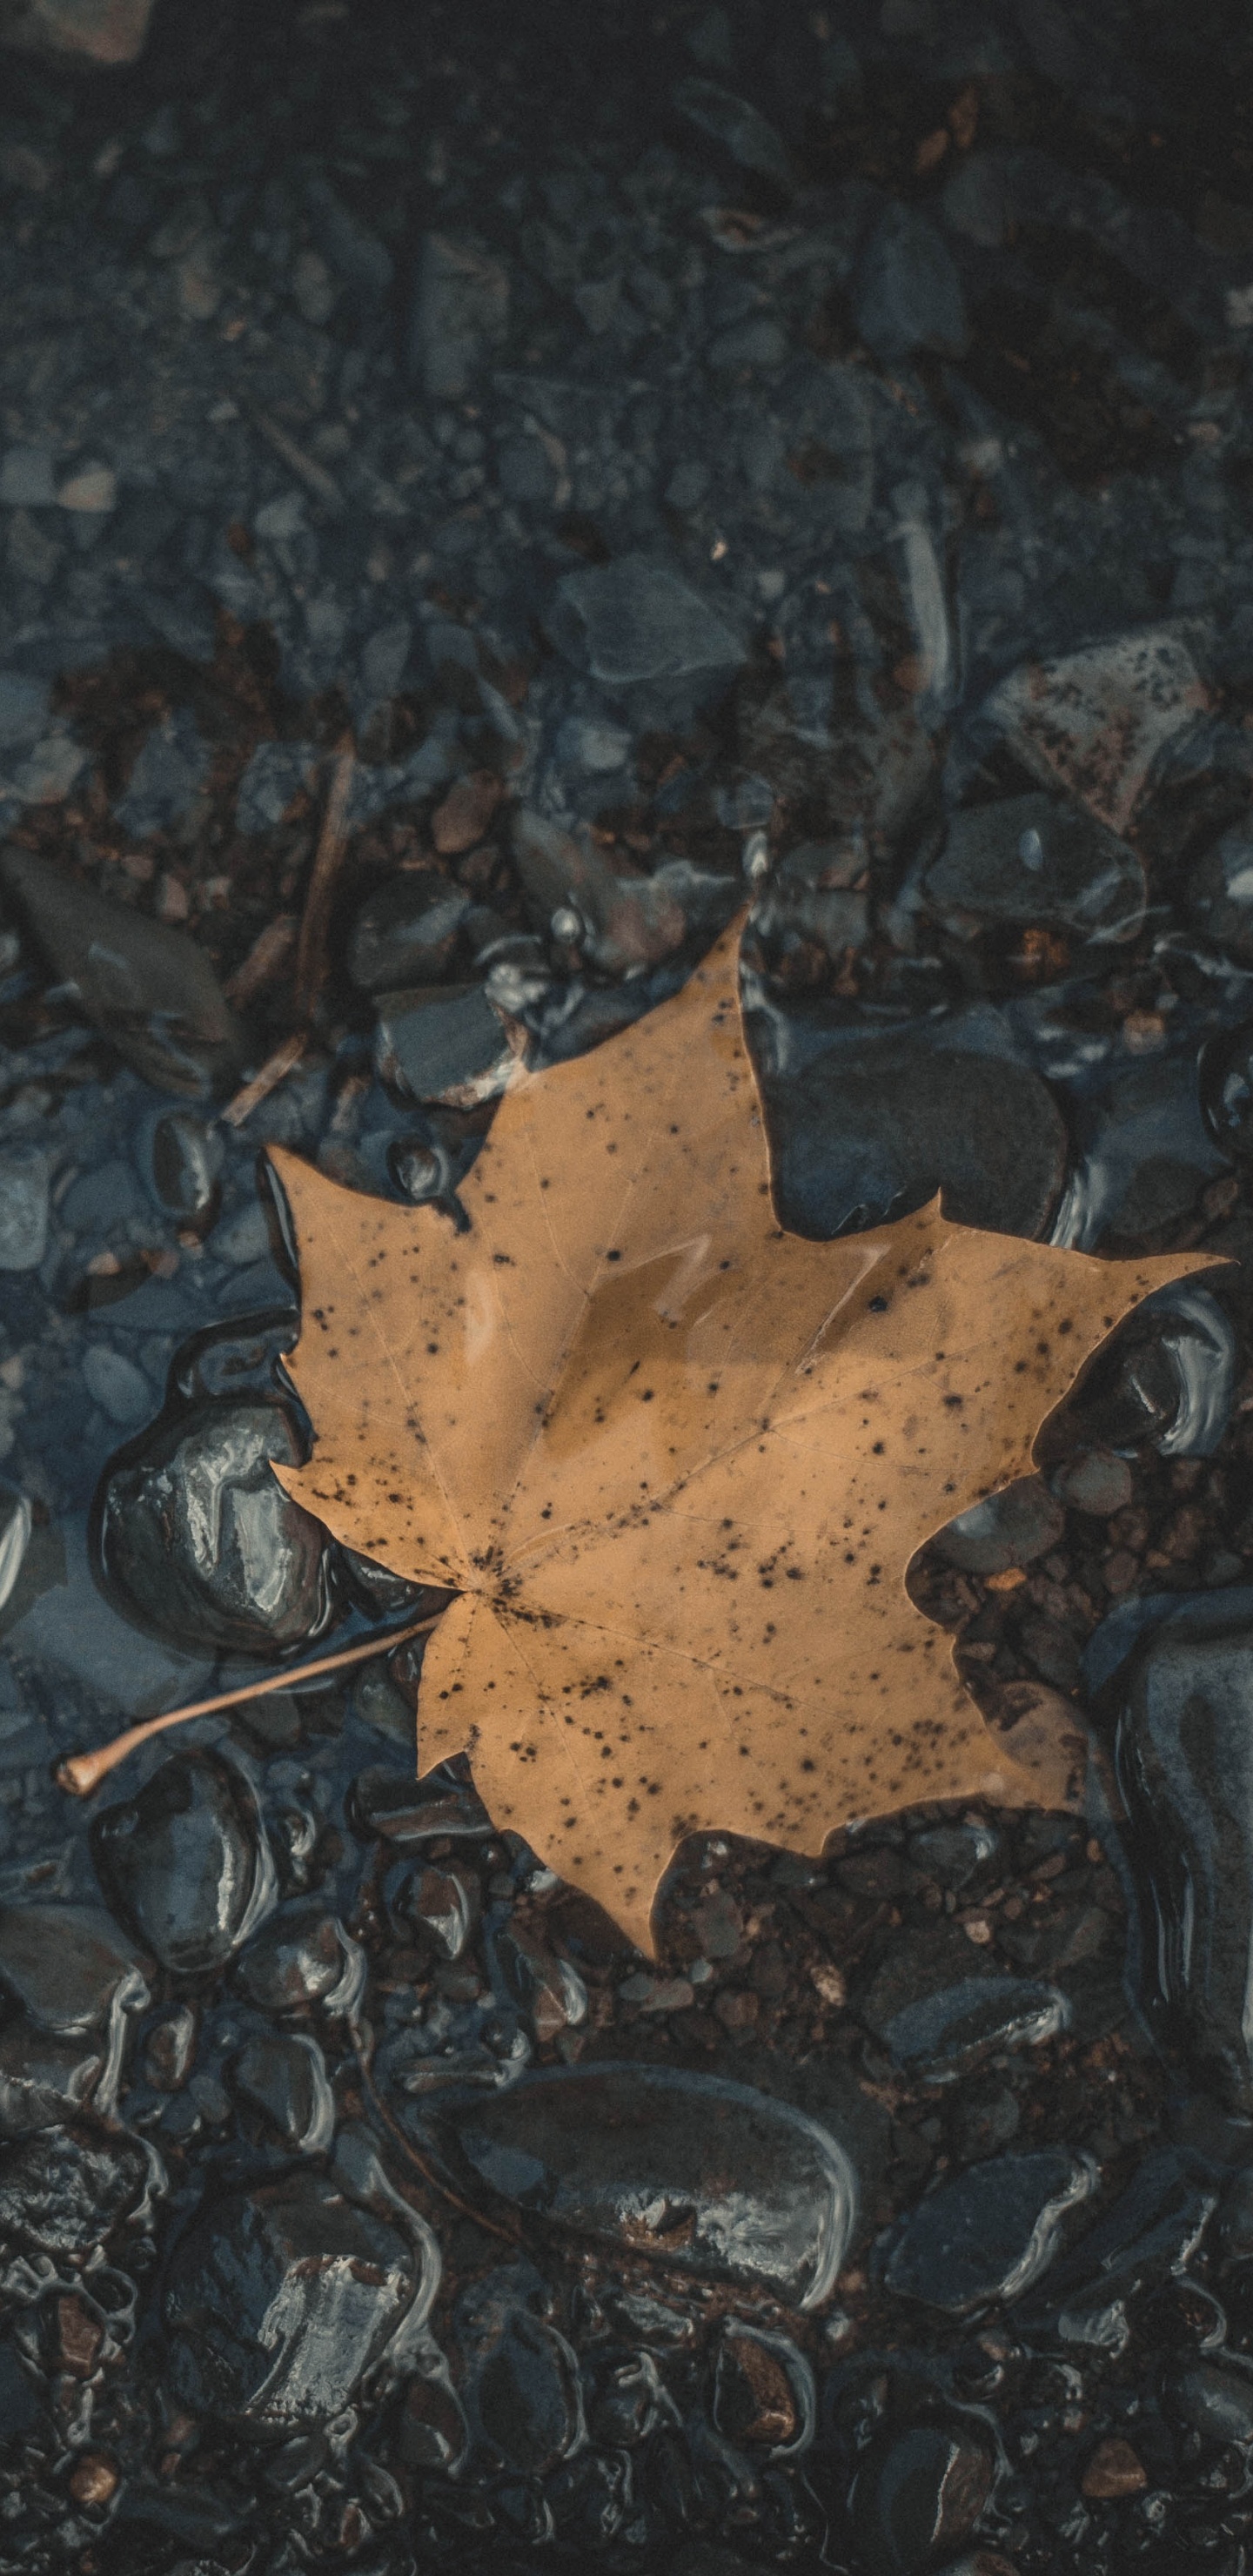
675, 1462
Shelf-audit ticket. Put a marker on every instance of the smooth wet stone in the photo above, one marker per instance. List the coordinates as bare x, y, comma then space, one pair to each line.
62, 2190
116, 1385
1220, 893
170, 2048
66, 1965
1184, 1753
866, 1135
186, 1164
1212, 2399
406, 1813
1034, 861
168, 775
1144, 1155
1168, 1380
443, 1905
630, 2401
735, 2184
917, 2494
644, 633
548, 1990
17, 1520
618, 923
1146, 2236
952, 1853
44, 2079
944, 2034
302, 1956
1095, 1481
200, 1539
520, 2377
906, 291
1094, 722
764, 2395
433, 2432
148, 988
285, 2079
407, 932
1013, 1527
445, 1045
987, 2234
186, 1863
278, 2300
24, 1178
740, 129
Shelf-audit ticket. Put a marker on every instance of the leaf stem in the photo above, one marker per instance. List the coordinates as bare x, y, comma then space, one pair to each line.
80, 1773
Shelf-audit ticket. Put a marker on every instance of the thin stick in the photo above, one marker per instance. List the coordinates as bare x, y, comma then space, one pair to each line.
80, 1773
328, 859
262, 1084
322, 485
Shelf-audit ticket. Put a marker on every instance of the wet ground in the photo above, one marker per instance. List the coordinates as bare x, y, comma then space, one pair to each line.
480, 492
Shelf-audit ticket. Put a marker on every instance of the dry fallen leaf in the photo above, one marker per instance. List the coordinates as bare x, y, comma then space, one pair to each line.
675, 1462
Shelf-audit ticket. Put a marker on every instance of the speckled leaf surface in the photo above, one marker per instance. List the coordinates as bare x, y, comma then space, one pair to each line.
675, 1462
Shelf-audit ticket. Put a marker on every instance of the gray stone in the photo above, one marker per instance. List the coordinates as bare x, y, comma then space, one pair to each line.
1094, 722
740, 128
461, 313
303, 1956
634, 623
46, 776
906, 291
917, 2494
987, 2234
745, 2187
285, 2079
114, 1383
1032, 860
274, 777
186, 1159
69, 1625
147, 987
23, 1208
186, 1863
444, 1045
942, 2035
1013, 1527
26, 478
522, 2386
65, 1965
405, 933
200, 1539
62, 2191
167, 777
1096, 1481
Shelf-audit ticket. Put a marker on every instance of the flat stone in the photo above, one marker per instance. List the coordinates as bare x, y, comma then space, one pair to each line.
114, 1383
521, 2379
739, 2186
987, 2234
1093, 722
1095, 1481
1034, 860
91, 489
917, 2494
65, 1965
447, 1045
740, 129
634, 623
406, 932
942, 2035
1213, 2399
1013, 1527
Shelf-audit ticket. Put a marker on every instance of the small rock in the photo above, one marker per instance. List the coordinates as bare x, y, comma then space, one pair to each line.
170, 2048
636, 626
187, 1159
167, 777
92, 488
1214, 2400
276, 774
1095, 1481
285, 2079
1034, 860
66, 1965
24, 698
461, 312
987, 2233
918, 2493
24, 1178
116, 1385
1093, 722
433, 2432
406, 932
280, 2299
1146, 1153
763, 2391
906, 291
743, 132
943, 2035
466, 812
91, 31
1114, 2471
200, 1539
861, 1137
548, 1990
1220, 893
638, 2155
522, 2379
448, 1046
45, 2080
619, 923
406, 1813
63, 2190
444, 1906
952, 1853
186, 1864
303, 1956
1013, 1527
148, 988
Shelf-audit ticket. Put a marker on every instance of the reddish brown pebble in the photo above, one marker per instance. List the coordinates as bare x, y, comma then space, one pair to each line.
1113, 2471
95, 2480
466, 811
80, 2336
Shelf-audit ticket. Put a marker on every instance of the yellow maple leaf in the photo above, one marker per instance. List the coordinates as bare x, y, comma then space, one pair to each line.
674, 1461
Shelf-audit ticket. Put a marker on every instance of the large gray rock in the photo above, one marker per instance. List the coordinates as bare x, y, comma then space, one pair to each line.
727, 2181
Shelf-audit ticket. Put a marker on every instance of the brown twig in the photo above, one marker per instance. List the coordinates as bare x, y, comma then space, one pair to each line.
314, 476
273, 1071
80, 1773
327, 862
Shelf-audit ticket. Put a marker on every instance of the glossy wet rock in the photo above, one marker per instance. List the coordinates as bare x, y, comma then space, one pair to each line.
443, 1906
445, 1045
521, 2380
278, 2300
1032, 860
944, 2034
186, 1863
1220, 893
918, 2494
1166, 1382
64, 2189
1145, 2237
302, 1956
764, 2392
406, 932
1013, 1527
1145, 1154
186, 1160
729, 2181
199, 1538
1213, 2400
65, 1965
284, 2079
862, 1137
406, 1813
1185, 1766
46, 2079
988, 2233
148, 988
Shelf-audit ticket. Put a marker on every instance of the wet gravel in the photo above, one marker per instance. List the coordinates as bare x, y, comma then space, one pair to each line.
478, 496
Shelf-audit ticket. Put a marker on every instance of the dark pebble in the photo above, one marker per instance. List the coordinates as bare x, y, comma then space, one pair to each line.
987, 2233
918, 2493
302, 1956
186, 1863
